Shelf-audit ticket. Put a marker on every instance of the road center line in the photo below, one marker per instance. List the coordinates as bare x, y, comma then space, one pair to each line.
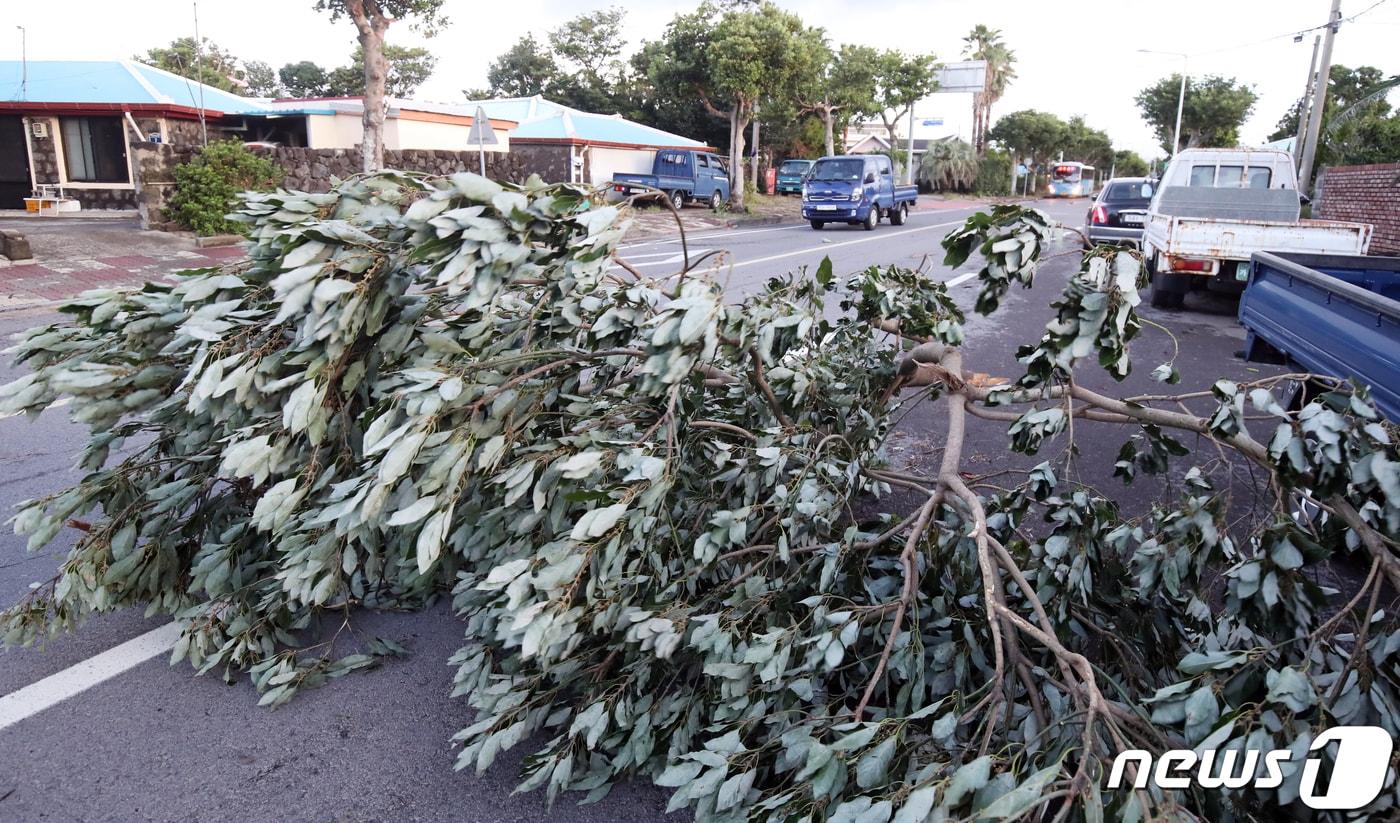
828, 247
78, 678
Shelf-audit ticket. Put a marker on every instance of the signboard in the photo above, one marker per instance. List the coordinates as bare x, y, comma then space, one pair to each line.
964, 77
932, 121
481, 134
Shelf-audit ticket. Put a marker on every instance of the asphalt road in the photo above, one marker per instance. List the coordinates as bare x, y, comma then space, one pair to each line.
157, 743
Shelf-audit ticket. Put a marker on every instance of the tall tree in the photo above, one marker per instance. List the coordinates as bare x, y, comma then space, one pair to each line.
408, 68
733, 63
1127, 163
844, 88
523, 70
985, 44
372, 19
1086, 145
1214, 110
260, 80
901, 81
589, 49
304, 79
212, 66
1360, 135
1031, 135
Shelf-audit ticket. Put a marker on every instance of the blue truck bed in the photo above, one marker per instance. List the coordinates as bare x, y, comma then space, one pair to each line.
1337, 315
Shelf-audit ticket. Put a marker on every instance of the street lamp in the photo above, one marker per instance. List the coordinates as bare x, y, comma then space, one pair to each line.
1180, 98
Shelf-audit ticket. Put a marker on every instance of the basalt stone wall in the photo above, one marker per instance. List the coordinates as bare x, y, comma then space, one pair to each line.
153, 167
1364, 194
313, 169
551, 163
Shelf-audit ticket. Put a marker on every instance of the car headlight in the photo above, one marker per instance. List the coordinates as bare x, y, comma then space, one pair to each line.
804, 191
857, 195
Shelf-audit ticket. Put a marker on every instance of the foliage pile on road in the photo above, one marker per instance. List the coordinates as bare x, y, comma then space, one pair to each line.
667, 526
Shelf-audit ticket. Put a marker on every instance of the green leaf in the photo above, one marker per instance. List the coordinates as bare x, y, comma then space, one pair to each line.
966, 780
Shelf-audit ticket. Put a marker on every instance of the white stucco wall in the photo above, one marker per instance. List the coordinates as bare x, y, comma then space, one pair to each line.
605, 162
345, 131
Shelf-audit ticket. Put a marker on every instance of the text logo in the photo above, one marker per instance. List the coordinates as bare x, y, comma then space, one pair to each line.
1359, 770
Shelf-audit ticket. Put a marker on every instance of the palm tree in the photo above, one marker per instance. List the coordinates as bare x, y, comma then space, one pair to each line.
949, 165
986, 44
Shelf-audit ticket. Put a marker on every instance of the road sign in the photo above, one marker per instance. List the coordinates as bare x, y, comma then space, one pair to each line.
482, 134
967, 76
932, 121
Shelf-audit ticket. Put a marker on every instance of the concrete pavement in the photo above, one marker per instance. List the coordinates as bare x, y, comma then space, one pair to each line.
158, 743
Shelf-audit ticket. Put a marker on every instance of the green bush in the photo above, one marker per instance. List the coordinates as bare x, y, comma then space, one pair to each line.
207, 187
994, 174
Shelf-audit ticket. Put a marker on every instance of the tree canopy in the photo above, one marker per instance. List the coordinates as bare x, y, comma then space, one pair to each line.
1211, 116
213, 66
1370, 132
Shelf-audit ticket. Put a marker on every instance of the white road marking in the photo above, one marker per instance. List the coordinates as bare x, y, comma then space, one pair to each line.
746, 232
78, 678
827, 247
960, 279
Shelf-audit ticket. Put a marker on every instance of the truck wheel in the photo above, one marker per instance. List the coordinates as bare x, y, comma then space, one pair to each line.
1163, 299
678, 199
899, 215
817, 224
872, 219
715, 200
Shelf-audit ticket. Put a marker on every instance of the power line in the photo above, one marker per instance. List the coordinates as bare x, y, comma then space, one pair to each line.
1296, 35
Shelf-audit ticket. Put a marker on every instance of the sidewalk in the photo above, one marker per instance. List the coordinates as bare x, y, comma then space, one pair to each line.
73, 255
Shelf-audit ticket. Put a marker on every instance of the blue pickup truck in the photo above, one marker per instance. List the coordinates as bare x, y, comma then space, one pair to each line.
857, 189
1331, 314
684, 175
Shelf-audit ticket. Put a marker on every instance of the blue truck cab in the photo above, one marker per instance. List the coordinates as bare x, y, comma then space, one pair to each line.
857, 189
790, 176
684, 175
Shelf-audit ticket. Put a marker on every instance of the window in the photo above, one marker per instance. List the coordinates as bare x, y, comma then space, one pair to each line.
826, 170
1229, 177
1259, 178
94, 149
1066, 174
1202, 176
702, 161
1128, 192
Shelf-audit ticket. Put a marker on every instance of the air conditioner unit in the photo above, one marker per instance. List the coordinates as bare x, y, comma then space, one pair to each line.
39, 128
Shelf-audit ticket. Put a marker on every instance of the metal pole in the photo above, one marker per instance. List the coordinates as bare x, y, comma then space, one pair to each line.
909, 155
198, 74
1012, 190
1180, 103
1319, 101
1303, 107
481, 155
23, 64
754, 172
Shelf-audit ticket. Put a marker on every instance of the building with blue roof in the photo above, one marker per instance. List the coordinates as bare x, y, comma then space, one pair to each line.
68, 124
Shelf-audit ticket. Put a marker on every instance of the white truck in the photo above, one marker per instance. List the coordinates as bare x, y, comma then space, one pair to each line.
1216, 207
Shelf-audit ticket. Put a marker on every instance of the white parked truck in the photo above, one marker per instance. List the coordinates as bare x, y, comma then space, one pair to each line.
1216, 207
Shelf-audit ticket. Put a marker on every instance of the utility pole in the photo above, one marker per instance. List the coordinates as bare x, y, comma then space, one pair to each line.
1303, 107
755, 150
23, 64
1319, 99
909, 155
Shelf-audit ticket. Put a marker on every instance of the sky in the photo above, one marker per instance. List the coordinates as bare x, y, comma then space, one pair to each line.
1073, 56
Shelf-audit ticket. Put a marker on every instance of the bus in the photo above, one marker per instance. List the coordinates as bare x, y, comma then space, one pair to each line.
1071, 180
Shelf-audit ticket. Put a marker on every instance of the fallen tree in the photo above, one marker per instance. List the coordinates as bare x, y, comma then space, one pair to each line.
669, 529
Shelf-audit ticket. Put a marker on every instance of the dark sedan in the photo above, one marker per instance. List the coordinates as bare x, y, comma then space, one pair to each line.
1120, 211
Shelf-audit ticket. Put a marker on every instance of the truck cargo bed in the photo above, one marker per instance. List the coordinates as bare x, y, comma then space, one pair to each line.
1336, 315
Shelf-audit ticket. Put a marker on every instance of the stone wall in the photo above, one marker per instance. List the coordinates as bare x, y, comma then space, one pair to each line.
313, 169
153, 166
45, 166
551, 163
1364, 194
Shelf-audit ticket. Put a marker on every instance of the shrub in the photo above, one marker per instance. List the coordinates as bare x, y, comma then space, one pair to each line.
994, 174
208, 186
949, 165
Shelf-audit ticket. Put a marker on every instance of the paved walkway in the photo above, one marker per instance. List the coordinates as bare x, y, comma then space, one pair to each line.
73, 255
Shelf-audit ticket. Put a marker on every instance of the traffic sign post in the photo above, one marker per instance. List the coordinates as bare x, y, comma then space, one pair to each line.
482, 135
